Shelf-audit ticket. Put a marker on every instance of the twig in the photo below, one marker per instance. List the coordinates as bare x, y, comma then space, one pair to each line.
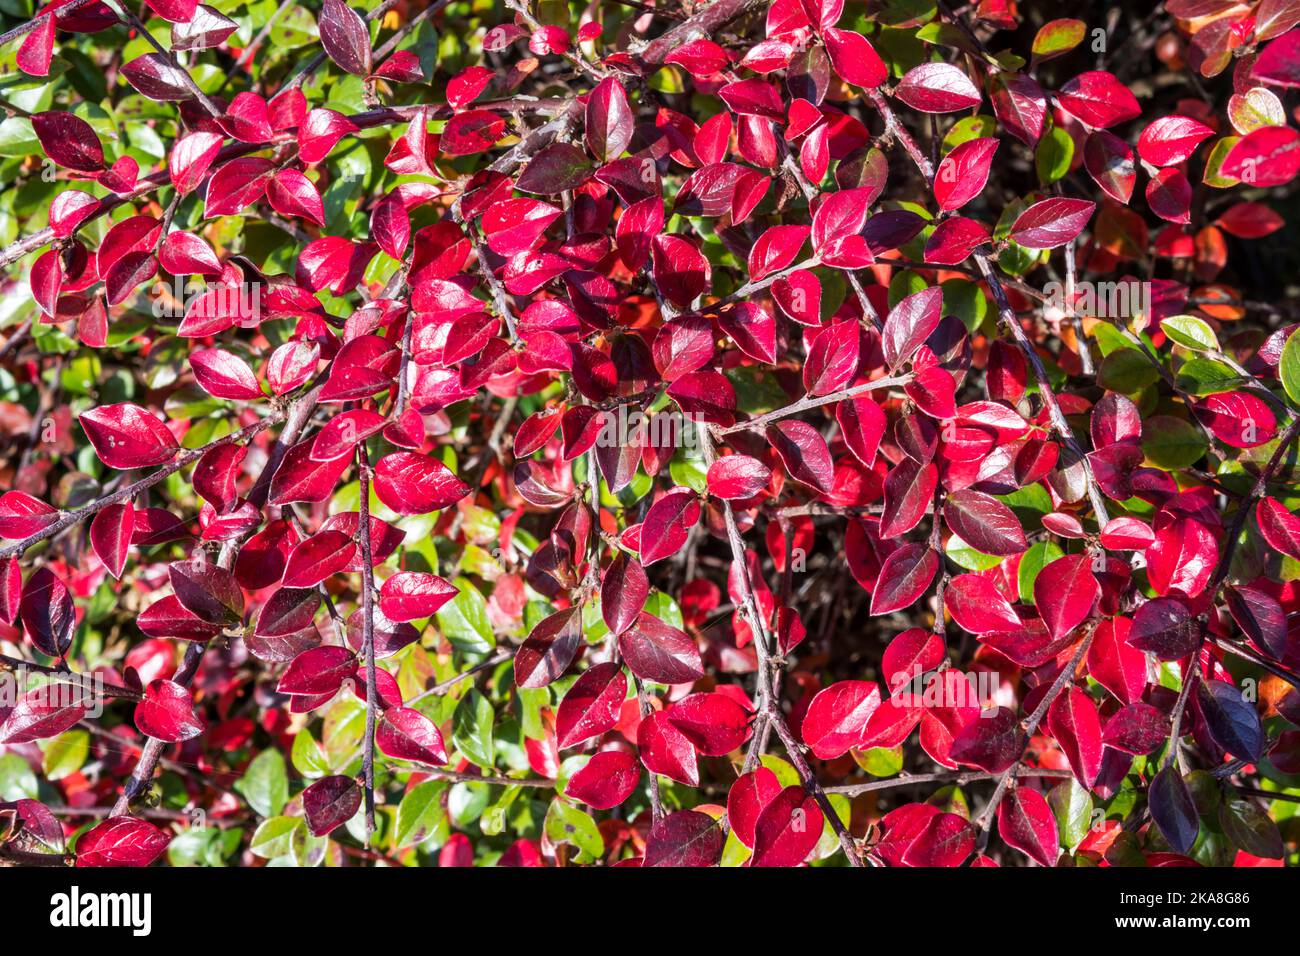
808, 402
1062, 681
810, 783
367, 635
69, 518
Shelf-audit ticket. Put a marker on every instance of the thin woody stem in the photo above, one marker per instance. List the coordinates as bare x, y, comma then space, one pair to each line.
367, 635
70, 518
814, 402
1063, 680
794, 749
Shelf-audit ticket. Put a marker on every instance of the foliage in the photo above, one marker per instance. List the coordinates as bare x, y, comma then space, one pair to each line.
747, 434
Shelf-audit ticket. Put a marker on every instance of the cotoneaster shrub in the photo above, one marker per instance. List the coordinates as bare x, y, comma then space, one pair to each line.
741, 433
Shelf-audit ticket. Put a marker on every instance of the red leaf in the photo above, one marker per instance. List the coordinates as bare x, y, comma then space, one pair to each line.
609, 120
1166, 628
319, 671
700, 58
411, 483
938, 88
748, 796
659, 652
910, 323
293, 194
804, 453
775, 249
406, 734
737, 477
239, 183
412, 595
667, 524
854, 58
110, 536
623, 592
1279, 62
40, 714
224, 374
1065, 592
607, 779
69, 141
1027, 823
788, 829
978, 606
316, 558
22, 515
345, 36
465, 86
1109, 161
1114, 663
1278, 526
836, 719
1171, 140
753, 97
183, 253
1136, 728
984, 523
37, 49
300, 478
992, 743
1182, 557
685, 838
946, 840
904, 576
320, 132
1052, 222
472, 132
167, 713
665, 750
714, 723
550, 649
329, 803
126, 436
121, 841
591, 706
191, 158
1099, 100
964, 171
1073, 721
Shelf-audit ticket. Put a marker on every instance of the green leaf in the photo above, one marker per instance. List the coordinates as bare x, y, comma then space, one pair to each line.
881, 761
1057, 37
1289, 368
1039, 555
1206, 376
464, 620
65, 754
1126, 371
197, 846
1172, 443
1073, 808
420, 815
471, 729
308, 757
964, 556
17, 782
1053, 156
274, 837
1190, 332
265, 784
1251, 829
565, 823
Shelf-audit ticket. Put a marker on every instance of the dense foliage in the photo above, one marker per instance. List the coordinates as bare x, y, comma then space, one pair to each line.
725, 432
